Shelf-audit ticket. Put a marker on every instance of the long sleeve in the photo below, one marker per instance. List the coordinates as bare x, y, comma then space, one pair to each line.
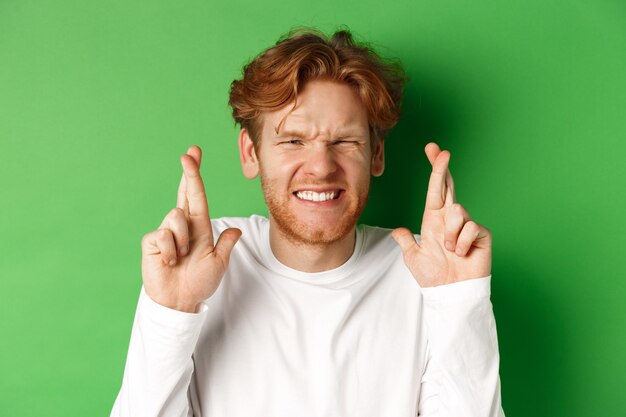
461, 377
159, 364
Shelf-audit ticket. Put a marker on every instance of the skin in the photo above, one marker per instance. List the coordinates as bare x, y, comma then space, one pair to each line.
323, 144
452, 246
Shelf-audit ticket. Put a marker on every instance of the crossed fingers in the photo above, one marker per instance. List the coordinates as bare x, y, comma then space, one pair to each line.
441, 185
460, 232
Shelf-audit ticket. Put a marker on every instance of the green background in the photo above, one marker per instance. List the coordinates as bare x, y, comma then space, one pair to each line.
98, 100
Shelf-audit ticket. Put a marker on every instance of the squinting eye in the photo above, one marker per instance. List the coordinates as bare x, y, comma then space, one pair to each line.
292, 142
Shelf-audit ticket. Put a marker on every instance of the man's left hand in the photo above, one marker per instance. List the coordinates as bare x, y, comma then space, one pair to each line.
452, 247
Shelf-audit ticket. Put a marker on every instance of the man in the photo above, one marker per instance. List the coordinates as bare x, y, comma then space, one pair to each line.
305, 313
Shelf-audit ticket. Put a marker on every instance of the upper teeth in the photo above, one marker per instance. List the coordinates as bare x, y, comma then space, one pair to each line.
313, 196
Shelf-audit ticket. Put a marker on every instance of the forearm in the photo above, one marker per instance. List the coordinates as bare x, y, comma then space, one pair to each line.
159, 364
462, 377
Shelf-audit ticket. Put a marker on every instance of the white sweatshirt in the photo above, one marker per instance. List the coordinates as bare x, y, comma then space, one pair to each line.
360, 340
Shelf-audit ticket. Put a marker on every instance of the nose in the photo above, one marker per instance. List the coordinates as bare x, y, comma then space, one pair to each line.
320, 162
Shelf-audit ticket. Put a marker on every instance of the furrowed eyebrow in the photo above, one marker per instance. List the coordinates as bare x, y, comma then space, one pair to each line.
291, 134
349, 135
301, 135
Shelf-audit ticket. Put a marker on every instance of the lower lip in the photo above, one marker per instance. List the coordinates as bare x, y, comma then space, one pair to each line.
327, 203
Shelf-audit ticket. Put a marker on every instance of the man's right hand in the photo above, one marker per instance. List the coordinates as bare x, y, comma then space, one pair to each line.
181, 267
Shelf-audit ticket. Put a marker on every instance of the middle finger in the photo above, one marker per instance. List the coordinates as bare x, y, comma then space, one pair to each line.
432, 151
181, 201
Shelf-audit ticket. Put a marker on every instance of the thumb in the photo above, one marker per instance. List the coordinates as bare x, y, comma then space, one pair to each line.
226, 242
405, 239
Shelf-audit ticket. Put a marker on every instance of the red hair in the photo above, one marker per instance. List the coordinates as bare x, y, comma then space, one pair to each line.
273, 79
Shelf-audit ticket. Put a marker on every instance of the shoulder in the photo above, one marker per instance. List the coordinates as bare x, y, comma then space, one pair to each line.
246, 224
381, 257
379, 238
379, 248
249, 248
253, 230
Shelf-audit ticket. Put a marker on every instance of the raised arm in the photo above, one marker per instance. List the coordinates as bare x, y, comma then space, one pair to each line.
181, 267
452, 246
452, 265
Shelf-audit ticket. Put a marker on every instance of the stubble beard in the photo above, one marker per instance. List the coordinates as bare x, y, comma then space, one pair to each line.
306, 234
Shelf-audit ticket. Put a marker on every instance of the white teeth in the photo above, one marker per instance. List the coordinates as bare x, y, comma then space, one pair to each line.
313, 196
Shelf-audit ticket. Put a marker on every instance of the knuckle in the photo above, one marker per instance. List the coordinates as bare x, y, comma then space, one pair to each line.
179, 228
176, 212
149, 237
163, 234
181, 236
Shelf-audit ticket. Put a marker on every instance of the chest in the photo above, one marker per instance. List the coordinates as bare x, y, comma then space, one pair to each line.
286, 348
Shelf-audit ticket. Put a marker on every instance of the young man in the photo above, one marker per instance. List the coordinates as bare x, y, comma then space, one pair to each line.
305, 313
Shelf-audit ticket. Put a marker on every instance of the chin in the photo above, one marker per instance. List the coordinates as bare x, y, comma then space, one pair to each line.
314, 234
313, 230
309, 225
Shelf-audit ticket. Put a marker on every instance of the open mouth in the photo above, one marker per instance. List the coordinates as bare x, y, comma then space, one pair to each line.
318, 197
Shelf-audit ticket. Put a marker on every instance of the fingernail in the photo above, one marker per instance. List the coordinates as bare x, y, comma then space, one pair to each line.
183, 250
449, 245
172, 262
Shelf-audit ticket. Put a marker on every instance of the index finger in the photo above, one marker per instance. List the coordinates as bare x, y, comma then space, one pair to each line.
196, 196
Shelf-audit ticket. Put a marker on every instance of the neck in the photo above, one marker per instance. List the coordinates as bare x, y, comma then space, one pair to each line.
310, 257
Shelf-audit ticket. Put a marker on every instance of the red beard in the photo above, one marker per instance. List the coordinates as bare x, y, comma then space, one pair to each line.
311, 233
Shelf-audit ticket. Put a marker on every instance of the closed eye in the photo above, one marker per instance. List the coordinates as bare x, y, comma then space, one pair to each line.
291, 142
345, 142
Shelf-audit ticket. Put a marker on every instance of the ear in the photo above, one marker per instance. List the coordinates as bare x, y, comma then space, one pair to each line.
378, 159
247, 155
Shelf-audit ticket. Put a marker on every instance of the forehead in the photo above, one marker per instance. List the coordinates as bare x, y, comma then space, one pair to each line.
322, 108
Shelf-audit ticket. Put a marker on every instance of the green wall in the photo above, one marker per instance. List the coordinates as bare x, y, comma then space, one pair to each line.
98, 99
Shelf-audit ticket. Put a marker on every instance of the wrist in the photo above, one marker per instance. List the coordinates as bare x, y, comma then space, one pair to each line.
192, 308
184, 307
187, 308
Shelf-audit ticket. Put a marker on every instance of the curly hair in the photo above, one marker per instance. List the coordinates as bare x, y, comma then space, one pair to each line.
273, 79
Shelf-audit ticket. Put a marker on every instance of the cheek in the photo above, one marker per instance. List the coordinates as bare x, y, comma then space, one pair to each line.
357, 169
278, 171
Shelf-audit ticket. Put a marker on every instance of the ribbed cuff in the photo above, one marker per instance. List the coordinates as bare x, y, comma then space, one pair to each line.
459, 291
162, 316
